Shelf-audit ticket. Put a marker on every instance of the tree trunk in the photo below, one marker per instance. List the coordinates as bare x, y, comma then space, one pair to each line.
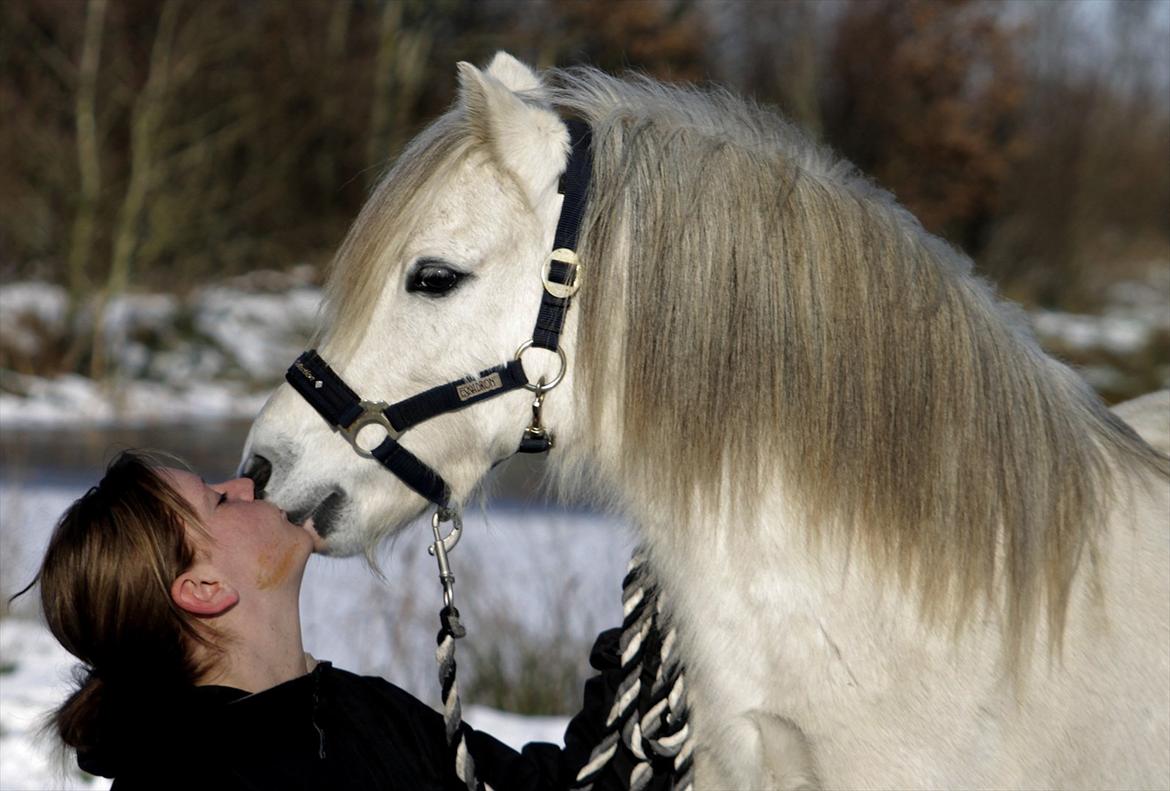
144, 123
89, 170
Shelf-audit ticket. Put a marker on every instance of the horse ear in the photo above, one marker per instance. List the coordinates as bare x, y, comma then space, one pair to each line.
515, 75
527, 138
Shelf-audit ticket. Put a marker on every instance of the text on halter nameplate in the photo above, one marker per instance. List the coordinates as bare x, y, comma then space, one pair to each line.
317, 383
485, 385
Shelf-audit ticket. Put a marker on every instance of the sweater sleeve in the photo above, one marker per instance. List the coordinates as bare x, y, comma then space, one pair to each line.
538, 766
541, 765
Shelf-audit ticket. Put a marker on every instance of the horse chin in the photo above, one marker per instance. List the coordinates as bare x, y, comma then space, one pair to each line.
345, 528
341, 546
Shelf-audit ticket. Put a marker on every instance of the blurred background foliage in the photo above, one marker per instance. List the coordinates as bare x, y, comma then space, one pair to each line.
158, 144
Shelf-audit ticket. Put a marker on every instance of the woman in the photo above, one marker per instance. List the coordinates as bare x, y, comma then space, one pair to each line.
181, 599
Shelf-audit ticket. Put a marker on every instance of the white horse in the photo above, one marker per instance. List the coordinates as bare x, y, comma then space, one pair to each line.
903, 547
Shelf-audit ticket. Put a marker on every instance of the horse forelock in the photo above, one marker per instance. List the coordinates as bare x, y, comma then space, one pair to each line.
780, 318
362, 266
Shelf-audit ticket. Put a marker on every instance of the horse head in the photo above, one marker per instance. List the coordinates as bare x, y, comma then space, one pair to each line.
439, 278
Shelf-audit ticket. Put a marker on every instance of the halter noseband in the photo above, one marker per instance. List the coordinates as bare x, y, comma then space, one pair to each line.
347, 413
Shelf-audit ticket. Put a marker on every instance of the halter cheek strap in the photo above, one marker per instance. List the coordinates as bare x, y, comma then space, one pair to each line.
347, 413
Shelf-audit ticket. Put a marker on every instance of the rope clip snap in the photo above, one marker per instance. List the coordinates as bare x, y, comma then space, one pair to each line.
537, 438
443, 545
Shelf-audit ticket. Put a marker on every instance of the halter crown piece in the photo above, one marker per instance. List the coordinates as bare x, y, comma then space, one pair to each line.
348, 414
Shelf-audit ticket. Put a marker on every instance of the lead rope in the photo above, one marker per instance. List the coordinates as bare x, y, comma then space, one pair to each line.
648, 728
536, 437
450, 630
645, 727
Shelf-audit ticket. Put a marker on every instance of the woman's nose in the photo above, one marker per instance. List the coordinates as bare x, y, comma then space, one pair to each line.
239, 488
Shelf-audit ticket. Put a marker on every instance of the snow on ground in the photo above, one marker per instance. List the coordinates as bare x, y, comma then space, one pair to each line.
215, 354
29, 310
34, 677
513, 729
522, 576
71, 399
262, 332
1136, 311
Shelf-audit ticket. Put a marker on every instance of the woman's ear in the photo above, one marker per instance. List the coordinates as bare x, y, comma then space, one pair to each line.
198, 592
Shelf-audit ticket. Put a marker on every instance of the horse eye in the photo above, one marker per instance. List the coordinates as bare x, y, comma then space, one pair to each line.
433, 277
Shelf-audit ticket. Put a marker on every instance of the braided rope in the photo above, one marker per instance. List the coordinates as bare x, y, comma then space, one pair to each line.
452, 708
646, 727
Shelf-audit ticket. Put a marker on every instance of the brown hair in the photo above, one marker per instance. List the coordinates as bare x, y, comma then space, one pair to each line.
106, 594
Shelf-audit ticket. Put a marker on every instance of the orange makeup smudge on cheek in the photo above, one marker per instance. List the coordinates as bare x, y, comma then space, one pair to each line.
275, 571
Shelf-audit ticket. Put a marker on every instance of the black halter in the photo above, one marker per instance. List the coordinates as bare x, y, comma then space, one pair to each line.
344, 411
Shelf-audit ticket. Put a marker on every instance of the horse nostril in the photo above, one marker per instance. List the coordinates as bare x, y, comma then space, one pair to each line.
259, 469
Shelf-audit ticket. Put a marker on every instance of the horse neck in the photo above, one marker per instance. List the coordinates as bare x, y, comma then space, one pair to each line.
587, 464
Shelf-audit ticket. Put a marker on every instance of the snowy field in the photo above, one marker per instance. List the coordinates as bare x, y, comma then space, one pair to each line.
522, 577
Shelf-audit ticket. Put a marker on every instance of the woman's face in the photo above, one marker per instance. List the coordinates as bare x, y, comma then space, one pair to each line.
252, 541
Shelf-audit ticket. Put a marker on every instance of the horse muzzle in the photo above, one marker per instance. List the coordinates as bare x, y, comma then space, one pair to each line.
325, 511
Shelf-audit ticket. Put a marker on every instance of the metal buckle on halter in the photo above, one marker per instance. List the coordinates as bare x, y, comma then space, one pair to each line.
372, 414
563, 290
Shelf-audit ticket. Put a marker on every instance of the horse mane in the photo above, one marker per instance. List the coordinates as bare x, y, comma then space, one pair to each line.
778, 317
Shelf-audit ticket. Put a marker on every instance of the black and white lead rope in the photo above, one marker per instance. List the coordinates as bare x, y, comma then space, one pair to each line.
646, 730
452, 709
450, 630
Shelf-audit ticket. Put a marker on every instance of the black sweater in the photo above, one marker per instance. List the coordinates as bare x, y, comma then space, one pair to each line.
332, 729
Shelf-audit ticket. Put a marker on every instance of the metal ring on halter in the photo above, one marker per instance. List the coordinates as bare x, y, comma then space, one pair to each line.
542, 386
563, 290
372, 414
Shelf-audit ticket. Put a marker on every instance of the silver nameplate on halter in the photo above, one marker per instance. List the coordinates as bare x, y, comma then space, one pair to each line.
487, 384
